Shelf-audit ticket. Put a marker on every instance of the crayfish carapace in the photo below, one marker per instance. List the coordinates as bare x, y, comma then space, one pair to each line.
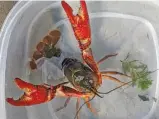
85, 77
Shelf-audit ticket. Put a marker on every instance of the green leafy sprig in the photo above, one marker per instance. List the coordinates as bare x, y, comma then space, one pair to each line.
138, 72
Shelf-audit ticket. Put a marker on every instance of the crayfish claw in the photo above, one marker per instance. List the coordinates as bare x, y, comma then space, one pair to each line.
69, 11
12, 101
33, 94
22, 101
25, 86
83, 10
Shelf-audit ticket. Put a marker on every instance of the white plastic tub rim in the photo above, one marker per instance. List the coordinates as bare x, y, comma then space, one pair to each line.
4, 41
7, 27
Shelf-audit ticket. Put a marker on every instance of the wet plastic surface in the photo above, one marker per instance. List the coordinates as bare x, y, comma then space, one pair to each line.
113, 30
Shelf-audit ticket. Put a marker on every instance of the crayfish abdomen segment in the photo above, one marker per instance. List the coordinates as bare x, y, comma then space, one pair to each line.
79, 75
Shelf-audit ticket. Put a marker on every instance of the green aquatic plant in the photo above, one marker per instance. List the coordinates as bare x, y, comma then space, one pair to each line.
138, 71
51, 51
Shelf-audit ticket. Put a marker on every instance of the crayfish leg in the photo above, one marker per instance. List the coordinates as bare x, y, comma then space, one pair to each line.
65, 105
89, 106
106, 57
114, 73
112, 78
77, 106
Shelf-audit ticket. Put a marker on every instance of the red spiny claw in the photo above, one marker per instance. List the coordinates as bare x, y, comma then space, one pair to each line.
38, 94
33, 94
81, 27
80, 24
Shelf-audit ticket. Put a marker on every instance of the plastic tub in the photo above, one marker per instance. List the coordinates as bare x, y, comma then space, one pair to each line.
116, 27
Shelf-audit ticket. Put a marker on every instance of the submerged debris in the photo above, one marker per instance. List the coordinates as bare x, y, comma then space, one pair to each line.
147, 98
143, 97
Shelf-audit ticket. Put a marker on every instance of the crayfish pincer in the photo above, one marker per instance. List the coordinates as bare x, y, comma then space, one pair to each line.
37, 94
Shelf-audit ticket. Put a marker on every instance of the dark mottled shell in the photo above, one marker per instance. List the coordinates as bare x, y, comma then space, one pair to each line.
81, 76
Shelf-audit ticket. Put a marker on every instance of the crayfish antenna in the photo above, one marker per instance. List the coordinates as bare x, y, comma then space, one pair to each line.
115, 88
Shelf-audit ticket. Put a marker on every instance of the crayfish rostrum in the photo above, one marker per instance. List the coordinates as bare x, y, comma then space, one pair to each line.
85, 76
